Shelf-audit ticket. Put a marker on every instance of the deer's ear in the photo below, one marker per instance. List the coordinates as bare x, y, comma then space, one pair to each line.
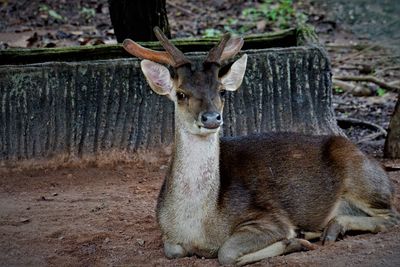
234, 77
157, 76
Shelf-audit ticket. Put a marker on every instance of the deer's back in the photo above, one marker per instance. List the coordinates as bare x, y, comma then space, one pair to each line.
302, 176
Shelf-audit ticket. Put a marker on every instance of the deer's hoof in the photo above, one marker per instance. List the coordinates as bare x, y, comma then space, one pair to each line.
227, 256
173, 251
332, 232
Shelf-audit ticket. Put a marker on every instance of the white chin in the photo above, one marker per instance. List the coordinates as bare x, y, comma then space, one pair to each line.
199, 130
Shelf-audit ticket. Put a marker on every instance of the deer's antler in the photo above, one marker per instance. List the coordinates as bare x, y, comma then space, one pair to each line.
228, 47
172, 56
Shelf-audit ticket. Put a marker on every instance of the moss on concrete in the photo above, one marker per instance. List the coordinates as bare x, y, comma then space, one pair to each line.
285, 38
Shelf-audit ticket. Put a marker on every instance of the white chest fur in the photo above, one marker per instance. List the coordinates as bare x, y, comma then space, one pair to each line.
191, 200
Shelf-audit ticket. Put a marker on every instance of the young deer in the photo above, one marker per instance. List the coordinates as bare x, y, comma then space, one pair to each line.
247, 198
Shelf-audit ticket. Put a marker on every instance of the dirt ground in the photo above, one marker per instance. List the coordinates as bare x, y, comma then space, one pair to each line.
103, 215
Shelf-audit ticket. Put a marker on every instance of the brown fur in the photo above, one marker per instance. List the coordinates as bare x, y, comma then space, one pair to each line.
271, 172
244, 198
272, 184
199, 86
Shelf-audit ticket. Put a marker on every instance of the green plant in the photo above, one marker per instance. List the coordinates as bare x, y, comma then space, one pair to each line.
279, 12
51, 12
88, 13
231, 21
338, 90
212, 32
232, 26
380, 92
275, 13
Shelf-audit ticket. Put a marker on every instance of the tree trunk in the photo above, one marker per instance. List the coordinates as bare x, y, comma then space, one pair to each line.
392, 144
136, 19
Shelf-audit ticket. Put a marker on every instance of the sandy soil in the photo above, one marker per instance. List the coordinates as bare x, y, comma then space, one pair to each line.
104, 215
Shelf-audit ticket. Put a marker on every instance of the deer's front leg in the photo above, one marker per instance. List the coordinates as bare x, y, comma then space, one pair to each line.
255, 242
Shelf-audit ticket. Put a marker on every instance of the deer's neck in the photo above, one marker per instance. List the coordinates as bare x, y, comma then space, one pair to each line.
195, 168
189, 202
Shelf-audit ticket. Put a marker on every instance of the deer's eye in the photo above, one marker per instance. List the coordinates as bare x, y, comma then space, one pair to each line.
181, 96
222, 93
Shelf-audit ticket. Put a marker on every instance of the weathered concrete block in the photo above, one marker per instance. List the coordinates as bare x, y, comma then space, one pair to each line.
90, 106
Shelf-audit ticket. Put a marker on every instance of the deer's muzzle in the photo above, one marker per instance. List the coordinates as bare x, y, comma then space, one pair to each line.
211, 120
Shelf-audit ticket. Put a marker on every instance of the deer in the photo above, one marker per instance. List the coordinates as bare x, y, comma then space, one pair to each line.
246, 198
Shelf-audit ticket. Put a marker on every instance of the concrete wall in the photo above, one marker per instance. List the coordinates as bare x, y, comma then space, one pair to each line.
90, 106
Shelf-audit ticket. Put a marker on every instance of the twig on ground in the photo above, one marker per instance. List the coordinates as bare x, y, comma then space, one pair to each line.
346, 46
388, 69
391, 164
349, 57
370, 137
348, 87
395, 83
347, 67
369, 78
342, 122
184, 10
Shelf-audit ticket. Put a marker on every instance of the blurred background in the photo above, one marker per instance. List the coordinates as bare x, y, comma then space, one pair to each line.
49, 23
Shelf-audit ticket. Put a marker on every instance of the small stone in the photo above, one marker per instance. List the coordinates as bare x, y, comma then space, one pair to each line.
162, 167
54, 194
261, 25
361, 91
140, 242
24, 220
61, 238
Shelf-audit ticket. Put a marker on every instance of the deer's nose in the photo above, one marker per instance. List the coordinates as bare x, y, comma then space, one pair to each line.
211, 120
